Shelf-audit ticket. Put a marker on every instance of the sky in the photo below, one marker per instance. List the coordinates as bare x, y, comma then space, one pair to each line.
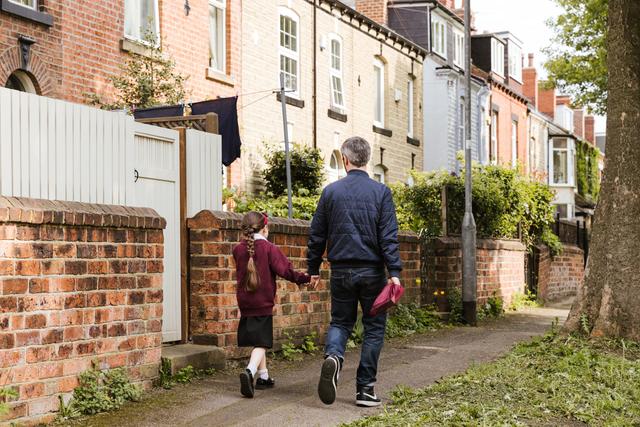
526, 19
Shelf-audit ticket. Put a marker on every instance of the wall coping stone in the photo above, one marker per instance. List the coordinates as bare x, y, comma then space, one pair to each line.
207, 219
494, 244
55, 212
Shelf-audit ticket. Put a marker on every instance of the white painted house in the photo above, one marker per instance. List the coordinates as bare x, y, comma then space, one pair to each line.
441, 32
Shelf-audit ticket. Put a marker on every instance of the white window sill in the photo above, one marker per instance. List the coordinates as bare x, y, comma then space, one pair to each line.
217, 76
562, 185
137, 47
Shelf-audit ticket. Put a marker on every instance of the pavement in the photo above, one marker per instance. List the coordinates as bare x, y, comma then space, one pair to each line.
417, 361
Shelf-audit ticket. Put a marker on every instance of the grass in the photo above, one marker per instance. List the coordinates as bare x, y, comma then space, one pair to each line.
552, 380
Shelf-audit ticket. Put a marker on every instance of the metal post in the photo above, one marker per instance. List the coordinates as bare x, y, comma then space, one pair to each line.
468, 224
283, 99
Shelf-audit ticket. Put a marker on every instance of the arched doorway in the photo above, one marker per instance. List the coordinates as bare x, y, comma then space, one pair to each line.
21, 81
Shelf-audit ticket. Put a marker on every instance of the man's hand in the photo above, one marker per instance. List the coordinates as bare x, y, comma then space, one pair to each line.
395, 281
315, 281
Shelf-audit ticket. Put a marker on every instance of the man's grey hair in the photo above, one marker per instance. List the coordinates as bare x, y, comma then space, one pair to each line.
357, 150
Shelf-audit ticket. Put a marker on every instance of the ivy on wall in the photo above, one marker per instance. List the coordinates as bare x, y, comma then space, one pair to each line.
588, 176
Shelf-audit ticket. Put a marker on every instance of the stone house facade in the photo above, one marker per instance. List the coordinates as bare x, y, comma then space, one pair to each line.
346, 75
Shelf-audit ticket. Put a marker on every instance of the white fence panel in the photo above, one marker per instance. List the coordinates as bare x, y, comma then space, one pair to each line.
51, 149
204, 171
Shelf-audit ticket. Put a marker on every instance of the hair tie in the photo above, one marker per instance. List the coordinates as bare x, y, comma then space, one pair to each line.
266, 218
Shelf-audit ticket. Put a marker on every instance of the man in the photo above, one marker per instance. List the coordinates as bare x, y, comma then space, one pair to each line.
356, 222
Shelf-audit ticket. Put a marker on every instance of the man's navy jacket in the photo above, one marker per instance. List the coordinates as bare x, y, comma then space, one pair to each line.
356, 221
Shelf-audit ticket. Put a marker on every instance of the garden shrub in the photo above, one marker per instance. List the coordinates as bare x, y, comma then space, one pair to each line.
587, 171
505, 204
304, 205
307, 170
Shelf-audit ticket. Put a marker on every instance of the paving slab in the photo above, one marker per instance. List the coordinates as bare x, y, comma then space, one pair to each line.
417, 362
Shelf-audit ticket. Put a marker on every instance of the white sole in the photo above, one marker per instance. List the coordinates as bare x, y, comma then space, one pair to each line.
367, 403
327, 386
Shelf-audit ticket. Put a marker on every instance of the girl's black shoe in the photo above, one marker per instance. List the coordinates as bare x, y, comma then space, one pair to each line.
263, 384
246, 383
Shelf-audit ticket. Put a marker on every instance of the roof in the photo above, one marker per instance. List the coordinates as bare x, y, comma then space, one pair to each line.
427, 2
381, 29
488, 77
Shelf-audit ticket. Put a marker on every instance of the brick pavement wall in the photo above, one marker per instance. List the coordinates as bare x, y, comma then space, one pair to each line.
214, 314
559, 277
500, 265
80, 284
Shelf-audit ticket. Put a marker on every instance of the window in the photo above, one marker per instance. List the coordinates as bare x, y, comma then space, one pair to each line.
410, 108
461, 124
514, 143
439, 36
378, 73
564, 117
335, 71
458, 51
217, 35
20, 81
560, 165
515, 62
497, 57
493, 144
31, 4
141, 20
379, 173
336, 169
289, 51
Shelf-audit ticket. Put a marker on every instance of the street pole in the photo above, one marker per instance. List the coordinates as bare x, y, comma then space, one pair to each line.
468, 223
283, 94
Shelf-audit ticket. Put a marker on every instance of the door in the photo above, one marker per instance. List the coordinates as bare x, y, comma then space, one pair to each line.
157, 186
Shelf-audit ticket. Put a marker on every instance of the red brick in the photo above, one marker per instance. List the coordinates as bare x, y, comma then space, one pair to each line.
64, 250
15, 286
35, 321
27, 268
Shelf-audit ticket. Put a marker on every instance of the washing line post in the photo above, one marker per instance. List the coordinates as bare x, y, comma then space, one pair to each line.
286, 143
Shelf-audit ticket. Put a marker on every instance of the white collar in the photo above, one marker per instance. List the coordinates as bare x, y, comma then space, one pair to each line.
258, 236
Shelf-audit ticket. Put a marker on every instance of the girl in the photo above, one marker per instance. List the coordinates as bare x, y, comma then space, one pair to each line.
258, 262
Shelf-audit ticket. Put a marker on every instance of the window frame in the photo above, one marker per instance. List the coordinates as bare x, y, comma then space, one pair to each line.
458, 50
288, 53
493, 137
140, 39
336, 73
410, 108
338, 172
439, 44
379, 90
221, 5
569, 150
497, 61
515, 59
35, 6
380, 171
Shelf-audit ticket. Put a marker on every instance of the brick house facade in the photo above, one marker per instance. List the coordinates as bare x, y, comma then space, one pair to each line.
346, 47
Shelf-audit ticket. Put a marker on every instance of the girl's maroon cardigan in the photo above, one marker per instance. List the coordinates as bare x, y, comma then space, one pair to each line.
270, 262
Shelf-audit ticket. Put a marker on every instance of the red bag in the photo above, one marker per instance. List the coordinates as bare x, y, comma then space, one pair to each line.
389, 297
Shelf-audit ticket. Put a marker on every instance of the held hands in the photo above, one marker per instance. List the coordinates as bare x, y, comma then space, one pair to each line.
395, 280
315, 281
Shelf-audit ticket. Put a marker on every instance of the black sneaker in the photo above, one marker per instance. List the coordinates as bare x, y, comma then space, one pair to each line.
246, 383
264, 384
367, 397
328, 385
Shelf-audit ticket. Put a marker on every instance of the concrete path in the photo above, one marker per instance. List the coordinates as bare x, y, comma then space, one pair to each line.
417, 362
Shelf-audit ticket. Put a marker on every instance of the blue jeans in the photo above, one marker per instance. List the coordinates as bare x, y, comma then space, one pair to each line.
348, 287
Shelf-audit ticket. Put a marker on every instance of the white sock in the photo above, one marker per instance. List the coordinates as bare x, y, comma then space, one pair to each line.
256, 357
264, 374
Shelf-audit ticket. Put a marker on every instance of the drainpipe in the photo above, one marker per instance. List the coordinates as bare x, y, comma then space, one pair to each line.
315, 77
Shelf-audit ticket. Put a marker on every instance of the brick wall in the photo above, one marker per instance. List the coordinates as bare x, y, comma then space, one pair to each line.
375, 10
214, 313
80, 283
500, 265
561, 276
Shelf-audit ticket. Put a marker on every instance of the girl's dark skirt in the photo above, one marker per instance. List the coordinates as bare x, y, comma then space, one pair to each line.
255, 331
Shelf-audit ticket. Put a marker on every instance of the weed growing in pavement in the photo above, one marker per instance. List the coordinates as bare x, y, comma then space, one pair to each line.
291, 351
309, 345
184, 376
550, 380
520, 301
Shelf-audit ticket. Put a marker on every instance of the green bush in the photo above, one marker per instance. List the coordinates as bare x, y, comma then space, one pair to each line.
101, 391
587, 172
505, 204
303, 204
307, 170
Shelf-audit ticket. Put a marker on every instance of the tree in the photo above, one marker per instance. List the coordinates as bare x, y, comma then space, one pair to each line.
609, 302
146, 79
577, 61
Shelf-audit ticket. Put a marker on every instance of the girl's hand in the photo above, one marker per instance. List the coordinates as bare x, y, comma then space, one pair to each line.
315, 281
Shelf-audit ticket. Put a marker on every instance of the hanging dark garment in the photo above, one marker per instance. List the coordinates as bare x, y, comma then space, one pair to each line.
227, 111
156, 112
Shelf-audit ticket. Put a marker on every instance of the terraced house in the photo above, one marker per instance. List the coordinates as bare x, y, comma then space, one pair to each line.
345, 75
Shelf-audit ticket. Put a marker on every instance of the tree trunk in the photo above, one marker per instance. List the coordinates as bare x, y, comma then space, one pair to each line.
609, 302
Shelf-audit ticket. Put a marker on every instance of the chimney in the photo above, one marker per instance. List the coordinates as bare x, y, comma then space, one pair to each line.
589, 129
578, 122
563, 100
530, 79
451, 4
376, 10
546, 100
